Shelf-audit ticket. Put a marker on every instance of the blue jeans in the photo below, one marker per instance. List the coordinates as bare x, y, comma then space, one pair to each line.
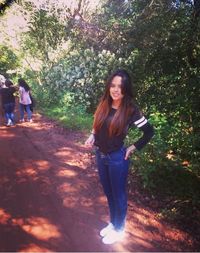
9, 111
28, 110
113, 172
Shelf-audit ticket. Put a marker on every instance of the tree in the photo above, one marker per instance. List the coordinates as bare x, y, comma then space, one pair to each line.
44, 36
8, 60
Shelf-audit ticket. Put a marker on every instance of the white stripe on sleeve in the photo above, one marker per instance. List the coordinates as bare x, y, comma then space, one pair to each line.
142, 123
139, 121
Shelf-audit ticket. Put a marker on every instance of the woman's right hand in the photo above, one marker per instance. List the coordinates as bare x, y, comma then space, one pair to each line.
90, 141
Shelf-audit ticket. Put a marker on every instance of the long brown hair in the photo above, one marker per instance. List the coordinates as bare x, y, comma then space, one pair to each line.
23, 84
120, 118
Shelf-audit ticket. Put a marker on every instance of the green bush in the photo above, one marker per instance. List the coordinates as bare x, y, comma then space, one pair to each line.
81, 74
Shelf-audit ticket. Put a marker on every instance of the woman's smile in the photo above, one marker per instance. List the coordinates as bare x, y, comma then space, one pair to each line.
116, 89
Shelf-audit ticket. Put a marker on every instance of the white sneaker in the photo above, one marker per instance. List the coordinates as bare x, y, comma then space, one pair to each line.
9, 123
21, 120
113, 236
107, 229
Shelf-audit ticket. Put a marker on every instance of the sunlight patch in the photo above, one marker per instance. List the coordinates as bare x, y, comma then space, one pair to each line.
66, 188
4, 217
34, 248
38, 227
142, 241
7, 134
42, 165
102, 199
66, 173
30, 172
64, 153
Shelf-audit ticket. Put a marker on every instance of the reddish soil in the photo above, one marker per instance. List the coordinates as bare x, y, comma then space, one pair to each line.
51, 199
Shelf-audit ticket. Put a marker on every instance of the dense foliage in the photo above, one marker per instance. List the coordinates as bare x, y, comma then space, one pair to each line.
8, 61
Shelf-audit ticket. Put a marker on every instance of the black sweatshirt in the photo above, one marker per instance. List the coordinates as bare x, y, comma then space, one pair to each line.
7, 95
108, 144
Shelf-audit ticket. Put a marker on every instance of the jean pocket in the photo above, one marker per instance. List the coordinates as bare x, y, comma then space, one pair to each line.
117, 156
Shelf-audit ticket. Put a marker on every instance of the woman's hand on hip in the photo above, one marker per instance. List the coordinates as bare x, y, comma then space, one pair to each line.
129, 150
90, 141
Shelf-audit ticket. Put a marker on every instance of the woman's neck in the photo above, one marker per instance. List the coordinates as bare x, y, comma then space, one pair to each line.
116, 104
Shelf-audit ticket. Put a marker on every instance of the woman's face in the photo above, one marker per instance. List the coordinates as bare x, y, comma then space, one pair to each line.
116, 89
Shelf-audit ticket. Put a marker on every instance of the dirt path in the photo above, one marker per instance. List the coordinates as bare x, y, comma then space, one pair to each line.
51, 200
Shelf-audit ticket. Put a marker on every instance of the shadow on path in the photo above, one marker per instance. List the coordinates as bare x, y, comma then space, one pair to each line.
51, 200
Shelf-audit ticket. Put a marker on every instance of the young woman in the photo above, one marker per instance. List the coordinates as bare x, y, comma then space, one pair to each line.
8, 102
24, 100
115, 114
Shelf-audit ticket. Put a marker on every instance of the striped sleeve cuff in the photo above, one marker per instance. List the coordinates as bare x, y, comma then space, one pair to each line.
141, 122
